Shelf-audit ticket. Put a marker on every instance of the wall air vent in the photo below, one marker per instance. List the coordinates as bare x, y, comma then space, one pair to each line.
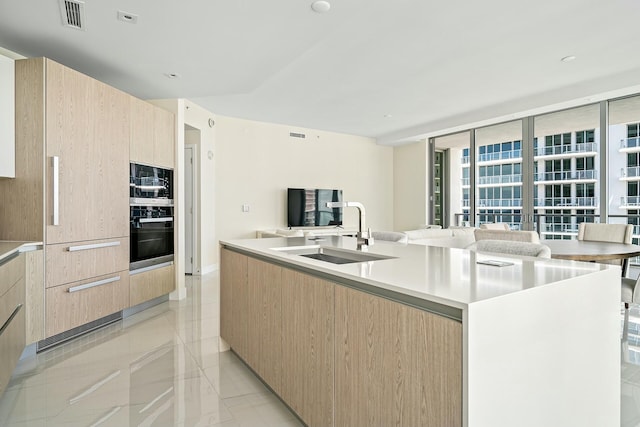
72, 13
297, 135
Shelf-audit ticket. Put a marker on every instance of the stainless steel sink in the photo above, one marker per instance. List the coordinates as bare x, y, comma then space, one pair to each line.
332, 255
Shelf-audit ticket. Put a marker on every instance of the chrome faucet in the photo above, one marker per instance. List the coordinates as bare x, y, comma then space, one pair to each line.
364, 235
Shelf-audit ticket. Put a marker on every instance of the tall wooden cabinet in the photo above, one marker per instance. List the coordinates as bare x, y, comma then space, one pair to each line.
71, 189
152, 135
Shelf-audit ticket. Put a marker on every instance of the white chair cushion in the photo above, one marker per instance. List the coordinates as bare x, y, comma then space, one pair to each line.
427, 234
513, 236
511, 248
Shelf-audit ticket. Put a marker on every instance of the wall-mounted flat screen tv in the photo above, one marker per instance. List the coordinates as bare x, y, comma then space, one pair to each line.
306, 207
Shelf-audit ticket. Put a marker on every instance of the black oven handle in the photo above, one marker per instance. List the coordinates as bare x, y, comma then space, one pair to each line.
166, 219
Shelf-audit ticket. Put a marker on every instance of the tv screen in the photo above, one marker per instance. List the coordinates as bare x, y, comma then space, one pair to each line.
306, 207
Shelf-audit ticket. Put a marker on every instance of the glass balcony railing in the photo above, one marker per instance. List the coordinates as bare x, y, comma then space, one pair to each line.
465, 203
630, 142
633, 201
465, 160
560, 228
567, 175
499, 203
500, 179
500, 155
630, 172
567, 201
466, 182
554, 150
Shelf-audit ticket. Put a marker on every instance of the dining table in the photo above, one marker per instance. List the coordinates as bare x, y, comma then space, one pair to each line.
586, 250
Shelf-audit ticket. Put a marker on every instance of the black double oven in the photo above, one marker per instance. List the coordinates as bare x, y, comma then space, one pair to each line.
151, 220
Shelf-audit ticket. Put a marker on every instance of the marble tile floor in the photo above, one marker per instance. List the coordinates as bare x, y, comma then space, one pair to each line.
160, 367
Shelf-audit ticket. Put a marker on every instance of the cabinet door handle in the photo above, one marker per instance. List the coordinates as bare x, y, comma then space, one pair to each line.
150, 268
14, 314
167, 219
56, 190
93, 284
92, 246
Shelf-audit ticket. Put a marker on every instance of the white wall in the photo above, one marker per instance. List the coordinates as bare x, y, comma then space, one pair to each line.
410, 186
192, 116
7, 117
256, 162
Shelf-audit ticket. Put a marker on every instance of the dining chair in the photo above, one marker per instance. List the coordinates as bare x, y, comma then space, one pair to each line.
615, 233
629, 294
511, 248
495, 226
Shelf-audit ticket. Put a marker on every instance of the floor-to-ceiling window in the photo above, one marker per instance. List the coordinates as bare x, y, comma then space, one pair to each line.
624, 163
499, 174
566, 178
570, 173
454, 180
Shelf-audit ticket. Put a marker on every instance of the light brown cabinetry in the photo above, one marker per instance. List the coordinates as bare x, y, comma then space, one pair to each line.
308, 346
71, 185
152, 135
87, 130
78, 303
395, 365
70, 262
147, 285
264, 321
340, 356
12, 315
233, 300
34, 296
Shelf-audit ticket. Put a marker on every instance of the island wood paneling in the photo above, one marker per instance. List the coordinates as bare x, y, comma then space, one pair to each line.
395, 365
264, 321
308, 347
233, 300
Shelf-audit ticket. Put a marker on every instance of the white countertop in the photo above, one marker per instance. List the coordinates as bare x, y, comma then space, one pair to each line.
446, 276
7, 248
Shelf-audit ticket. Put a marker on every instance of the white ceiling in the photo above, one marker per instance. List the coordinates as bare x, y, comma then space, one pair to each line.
430, 65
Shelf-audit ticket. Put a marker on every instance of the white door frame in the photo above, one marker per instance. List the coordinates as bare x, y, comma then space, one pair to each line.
191, 241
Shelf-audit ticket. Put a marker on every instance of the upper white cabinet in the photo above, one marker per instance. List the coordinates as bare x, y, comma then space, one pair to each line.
7, 118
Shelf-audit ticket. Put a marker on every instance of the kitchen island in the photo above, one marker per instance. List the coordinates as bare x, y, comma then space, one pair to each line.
422, 335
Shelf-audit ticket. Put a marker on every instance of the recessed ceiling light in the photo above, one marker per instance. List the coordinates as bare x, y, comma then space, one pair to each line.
568, 58
320, 6
388, 116
172, 75
127, 17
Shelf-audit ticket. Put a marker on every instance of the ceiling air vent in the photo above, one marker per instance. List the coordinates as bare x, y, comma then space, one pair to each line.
297, 135
72, 13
